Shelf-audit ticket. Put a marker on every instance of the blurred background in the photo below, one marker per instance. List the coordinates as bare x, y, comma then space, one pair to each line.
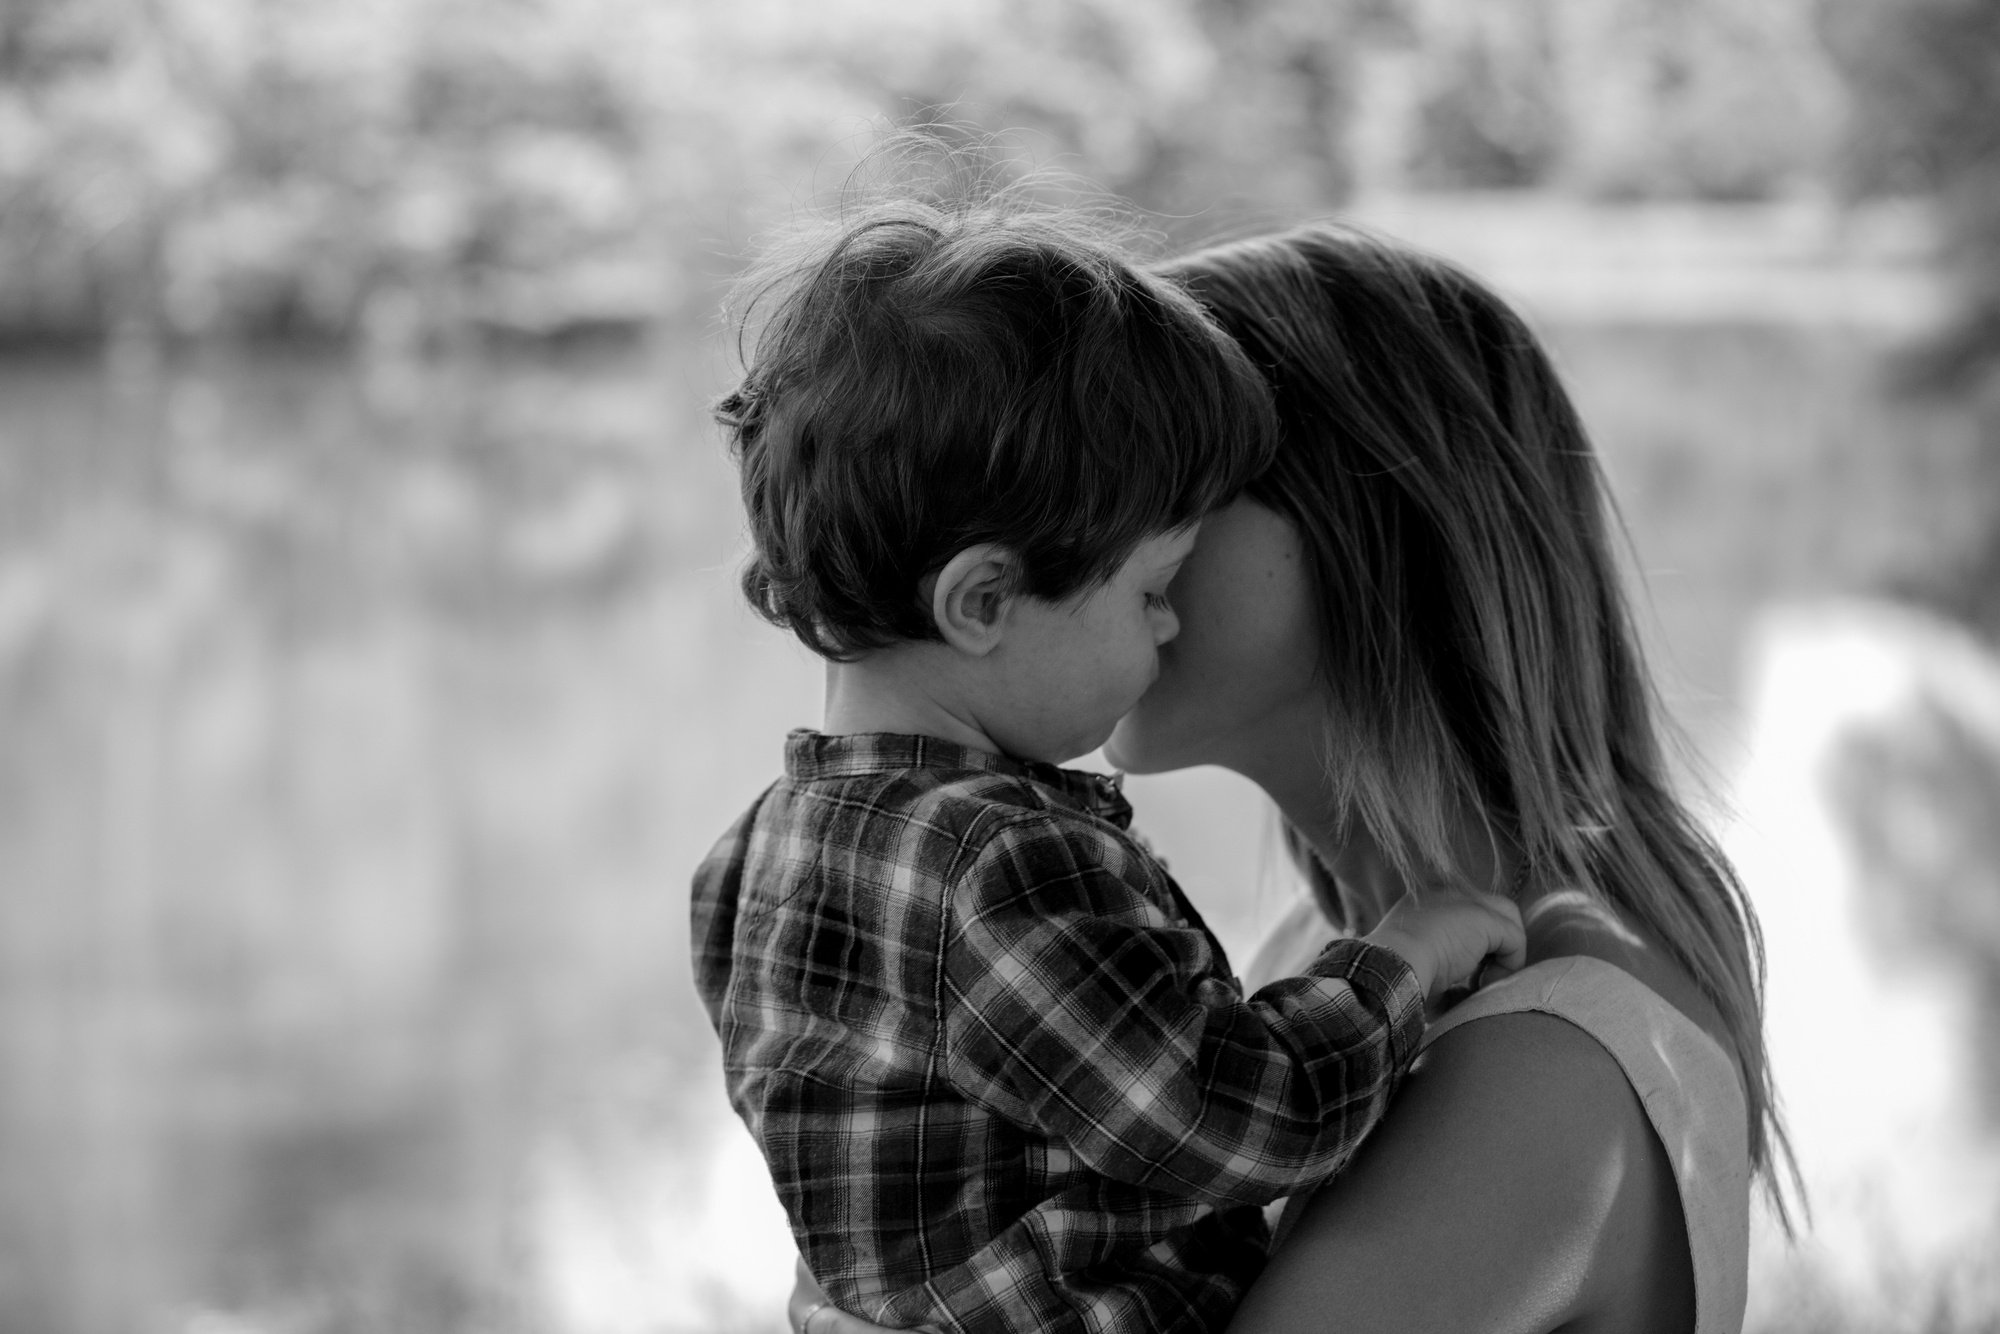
372, 678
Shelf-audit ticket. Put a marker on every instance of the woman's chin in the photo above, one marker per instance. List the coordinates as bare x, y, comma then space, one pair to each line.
1127, 750
1116, 755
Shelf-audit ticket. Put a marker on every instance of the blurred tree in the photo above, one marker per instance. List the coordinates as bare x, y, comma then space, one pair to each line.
1491, 114
1924, 77
100, 148
405, 169
1657, 98
1694, 98
1268, 140
194, 166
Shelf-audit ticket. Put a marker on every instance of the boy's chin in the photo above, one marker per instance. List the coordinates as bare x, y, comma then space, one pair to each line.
1059, 751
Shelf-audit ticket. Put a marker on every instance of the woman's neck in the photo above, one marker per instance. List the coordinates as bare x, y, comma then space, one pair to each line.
1562, 920
1369, 882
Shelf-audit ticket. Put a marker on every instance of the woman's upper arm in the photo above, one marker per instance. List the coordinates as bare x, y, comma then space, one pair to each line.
1515, 1184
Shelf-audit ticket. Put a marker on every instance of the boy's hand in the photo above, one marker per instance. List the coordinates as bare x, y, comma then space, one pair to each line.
809, 1312
1447, 934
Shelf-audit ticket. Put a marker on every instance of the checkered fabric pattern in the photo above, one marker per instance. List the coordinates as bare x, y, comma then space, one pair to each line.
999, 1068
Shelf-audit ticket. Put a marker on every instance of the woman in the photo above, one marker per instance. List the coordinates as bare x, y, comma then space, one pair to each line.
1410, 634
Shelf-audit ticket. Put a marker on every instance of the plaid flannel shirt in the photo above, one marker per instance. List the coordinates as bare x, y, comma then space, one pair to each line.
998, 1067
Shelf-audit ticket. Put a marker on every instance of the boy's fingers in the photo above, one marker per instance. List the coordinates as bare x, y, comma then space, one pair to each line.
1512, 946
807, 1302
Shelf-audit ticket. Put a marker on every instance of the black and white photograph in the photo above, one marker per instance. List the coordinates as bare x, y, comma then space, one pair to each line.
1049, 667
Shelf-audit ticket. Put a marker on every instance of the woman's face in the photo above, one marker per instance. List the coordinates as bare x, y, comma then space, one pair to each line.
1238, 687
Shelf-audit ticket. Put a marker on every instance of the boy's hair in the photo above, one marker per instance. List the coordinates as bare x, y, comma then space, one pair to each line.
938, 375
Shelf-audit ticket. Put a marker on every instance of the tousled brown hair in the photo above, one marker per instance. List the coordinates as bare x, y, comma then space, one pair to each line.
929, 374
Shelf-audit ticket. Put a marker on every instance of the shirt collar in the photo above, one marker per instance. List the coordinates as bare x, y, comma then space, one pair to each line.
811, 755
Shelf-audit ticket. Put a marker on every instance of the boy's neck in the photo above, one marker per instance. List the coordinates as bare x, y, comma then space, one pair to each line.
905, 690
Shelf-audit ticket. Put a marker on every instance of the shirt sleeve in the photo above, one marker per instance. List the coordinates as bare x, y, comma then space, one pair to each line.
1074, 1004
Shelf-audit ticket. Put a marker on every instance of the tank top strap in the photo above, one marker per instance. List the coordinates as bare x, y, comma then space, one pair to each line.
1691, 1093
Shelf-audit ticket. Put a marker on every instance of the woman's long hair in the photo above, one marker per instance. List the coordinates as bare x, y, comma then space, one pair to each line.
1478, 651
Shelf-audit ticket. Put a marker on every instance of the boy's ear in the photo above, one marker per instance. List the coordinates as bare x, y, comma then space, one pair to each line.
970, 595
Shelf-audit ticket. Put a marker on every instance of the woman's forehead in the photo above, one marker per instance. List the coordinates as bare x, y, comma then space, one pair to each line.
1166, 549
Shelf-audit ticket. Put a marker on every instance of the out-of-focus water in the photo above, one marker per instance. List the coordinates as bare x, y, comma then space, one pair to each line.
363, 725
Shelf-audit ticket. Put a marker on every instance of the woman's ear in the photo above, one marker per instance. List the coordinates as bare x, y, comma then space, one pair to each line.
970, 595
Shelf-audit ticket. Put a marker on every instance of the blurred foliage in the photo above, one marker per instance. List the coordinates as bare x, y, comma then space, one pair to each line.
1925, 81
1625, 99
386, 166
402, 168
406, 170
1925, 76
1490, 114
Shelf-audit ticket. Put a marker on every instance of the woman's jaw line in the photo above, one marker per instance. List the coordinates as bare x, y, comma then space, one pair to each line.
1296, 780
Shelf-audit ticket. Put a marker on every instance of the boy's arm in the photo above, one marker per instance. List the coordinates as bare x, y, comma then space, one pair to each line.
1072, 1003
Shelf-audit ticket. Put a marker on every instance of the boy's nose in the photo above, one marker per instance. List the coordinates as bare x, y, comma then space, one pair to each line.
1166, 625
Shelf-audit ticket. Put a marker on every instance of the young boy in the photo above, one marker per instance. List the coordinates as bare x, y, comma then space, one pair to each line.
999, 1068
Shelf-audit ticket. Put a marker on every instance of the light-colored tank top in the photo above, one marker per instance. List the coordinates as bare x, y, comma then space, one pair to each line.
1691, 1093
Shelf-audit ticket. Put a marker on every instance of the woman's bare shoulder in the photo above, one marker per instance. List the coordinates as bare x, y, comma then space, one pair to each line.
1516, 1184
